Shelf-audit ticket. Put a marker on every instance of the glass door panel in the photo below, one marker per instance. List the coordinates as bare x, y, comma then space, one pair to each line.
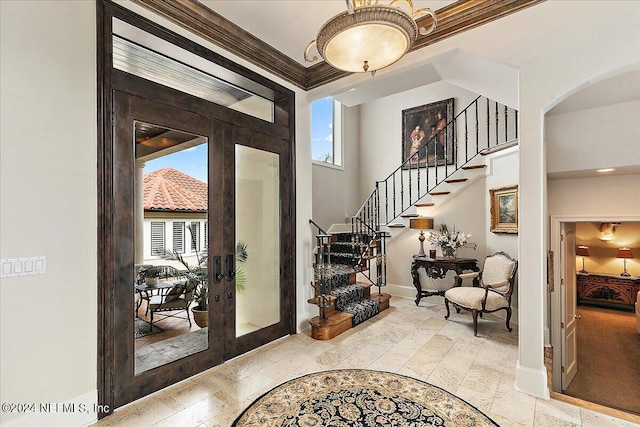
258, 231
170, 204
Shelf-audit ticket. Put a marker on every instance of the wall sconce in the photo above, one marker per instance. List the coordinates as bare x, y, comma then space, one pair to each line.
583, 251
607, 230
624, 253
421, 224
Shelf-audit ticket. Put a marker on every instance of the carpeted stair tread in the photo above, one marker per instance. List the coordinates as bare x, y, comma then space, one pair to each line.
362, 310
348, 296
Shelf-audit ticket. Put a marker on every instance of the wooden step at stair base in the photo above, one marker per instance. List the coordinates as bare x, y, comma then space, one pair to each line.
333, 326
440, 193
470, 167
454, 181
497, 148
424, 205
383, 299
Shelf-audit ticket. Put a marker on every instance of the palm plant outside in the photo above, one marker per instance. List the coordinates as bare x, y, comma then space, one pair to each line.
198, 273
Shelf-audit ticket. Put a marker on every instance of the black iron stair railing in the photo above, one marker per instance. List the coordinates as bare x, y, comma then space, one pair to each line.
481, 128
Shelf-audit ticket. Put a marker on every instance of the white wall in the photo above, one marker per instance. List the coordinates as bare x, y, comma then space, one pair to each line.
597, 196
594, 138
381, 129
331, 206
48, 204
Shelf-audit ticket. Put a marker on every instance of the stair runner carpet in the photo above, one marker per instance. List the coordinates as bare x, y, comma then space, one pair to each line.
350, 298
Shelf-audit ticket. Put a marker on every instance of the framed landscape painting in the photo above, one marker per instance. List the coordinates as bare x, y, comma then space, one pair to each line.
427, 135
504, 209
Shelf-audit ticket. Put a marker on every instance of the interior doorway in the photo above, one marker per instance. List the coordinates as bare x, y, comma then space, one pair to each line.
592, 319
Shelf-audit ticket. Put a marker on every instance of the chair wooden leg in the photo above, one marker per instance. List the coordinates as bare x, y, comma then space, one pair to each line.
475, 322
508, 318
446, 304
151, 322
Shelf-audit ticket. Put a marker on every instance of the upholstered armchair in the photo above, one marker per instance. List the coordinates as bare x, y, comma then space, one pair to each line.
492, 289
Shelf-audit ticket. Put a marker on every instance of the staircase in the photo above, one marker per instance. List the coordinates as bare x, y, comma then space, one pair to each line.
342, 289
348, 264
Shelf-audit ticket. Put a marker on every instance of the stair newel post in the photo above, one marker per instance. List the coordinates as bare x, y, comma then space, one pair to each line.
323, 272
381, 261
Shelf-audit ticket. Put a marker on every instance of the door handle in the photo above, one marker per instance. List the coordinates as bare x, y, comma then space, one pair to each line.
217, 269
231, 271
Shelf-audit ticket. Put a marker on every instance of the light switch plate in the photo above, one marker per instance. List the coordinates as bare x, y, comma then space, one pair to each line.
29, 266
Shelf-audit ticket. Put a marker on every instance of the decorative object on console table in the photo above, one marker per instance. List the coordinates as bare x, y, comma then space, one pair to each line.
437, 268
504, 209
421, 224
624, 253
583, 251
450, 241
607, 290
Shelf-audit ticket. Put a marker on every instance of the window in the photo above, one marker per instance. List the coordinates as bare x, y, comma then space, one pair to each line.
195, 236
178, 237
326, 131
157, 238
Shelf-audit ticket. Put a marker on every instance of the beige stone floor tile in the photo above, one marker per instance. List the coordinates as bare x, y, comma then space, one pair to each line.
557, 409
596, 419
480, 400
503, 421
390, 361
545, 420
411, 340
513, 405
194, 414
482, 380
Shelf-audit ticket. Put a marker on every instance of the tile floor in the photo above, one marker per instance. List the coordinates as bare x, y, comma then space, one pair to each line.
410, 340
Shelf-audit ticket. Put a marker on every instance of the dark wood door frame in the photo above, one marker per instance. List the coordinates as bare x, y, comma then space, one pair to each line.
110, 80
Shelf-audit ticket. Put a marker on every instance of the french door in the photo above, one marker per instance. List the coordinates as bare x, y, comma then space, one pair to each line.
192, 189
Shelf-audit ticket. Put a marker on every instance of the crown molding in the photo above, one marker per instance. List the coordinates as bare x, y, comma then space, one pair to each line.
456, 18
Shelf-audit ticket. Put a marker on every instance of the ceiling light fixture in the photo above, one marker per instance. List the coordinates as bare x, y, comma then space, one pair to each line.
369, 36
605, 170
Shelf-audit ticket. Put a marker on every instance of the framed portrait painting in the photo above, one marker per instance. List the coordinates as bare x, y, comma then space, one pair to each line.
504, 209
427, 135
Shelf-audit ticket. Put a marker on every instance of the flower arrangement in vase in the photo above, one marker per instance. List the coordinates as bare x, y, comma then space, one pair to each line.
450, 241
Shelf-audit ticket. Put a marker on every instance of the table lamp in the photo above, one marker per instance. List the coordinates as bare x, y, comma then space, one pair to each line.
583, 251
421, 223
624, 253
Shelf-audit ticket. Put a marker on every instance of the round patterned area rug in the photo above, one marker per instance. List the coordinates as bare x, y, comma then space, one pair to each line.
357, 397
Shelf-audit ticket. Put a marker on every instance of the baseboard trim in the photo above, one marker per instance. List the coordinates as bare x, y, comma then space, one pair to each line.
402, 291
80, 411
532, 381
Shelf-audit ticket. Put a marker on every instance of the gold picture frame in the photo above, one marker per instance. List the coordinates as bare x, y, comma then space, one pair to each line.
504, 209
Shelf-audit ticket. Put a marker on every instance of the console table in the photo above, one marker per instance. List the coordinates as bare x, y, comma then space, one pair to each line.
607, 290
437, 268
